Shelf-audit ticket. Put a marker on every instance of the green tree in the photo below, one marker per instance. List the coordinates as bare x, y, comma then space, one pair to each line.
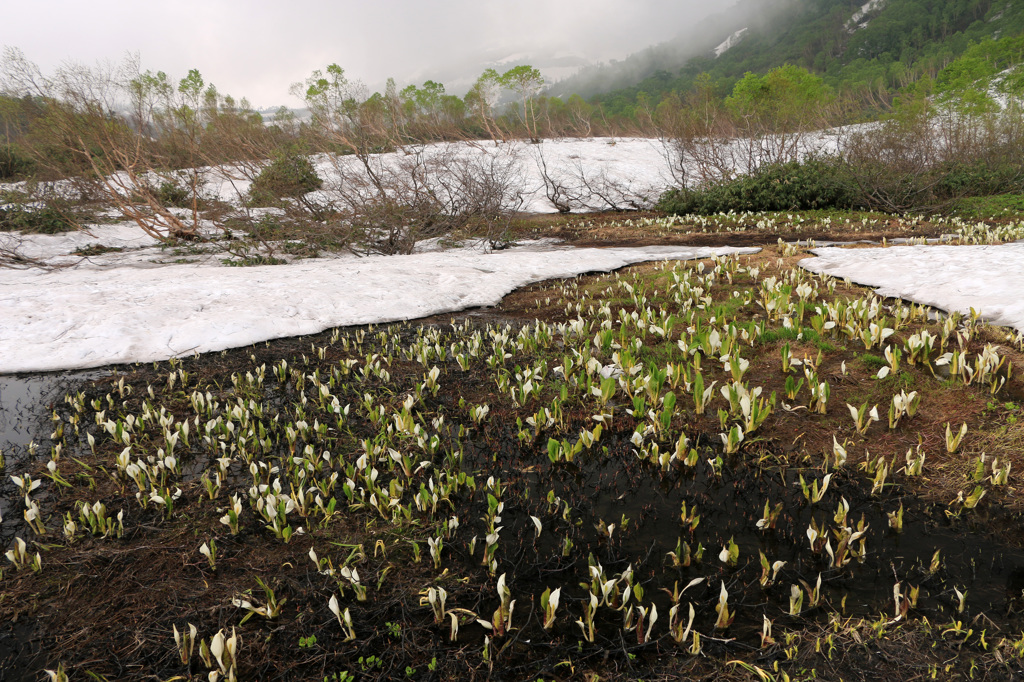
786, 99
331, 99
481, 99
526, 82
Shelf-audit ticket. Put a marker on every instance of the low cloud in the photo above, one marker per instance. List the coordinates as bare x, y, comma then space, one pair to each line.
257, 48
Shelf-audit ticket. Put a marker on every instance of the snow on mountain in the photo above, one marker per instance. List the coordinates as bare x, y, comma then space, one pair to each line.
867, 8
730, 42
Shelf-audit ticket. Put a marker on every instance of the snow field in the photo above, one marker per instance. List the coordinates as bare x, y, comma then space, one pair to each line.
989, 279
89, 317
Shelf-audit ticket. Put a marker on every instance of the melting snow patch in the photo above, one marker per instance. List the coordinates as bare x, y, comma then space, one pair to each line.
633, 167
89, 317
729, 42
855, 21
57, 248
987, 278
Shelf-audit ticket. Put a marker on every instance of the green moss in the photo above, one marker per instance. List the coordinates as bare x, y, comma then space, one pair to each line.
872, 362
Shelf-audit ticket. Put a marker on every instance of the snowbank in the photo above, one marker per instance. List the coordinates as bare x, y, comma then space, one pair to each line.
987, 278
628, 170
91, 316
637, 166
57, 249
729, 42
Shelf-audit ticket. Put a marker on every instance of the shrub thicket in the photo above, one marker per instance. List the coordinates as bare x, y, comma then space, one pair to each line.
14, 164
289, 174
813, 184
44, 220
837, 184
978, 179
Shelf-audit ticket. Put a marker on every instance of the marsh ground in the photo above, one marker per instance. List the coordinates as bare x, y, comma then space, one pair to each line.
544, 454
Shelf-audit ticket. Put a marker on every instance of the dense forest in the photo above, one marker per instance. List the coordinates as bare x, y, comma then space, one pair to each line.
873, 53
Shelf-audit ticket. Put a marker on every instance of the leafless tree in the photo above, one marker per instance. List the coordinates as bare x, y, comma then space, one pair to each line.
137, 141
82, 120
600, 191
904, 163
561, 190
385, 203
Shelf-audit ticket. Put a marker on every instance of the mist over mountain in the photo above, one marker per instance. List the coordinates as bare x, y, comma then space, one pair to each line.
458, 76
696, 39
586, 69
566, 46
256, 50
871, 46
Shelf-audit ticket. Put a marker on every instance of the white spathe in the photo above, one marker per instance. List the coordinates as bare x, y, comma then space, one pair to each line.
92, 316
989, 279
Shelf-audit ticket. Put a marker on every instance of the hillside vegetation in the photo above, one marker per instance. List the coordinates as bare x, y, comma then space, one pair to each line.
937, 81
875, 53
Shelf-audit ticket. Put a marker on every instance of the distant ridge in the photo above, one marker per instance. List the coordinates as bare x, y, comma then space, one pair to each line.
849, 43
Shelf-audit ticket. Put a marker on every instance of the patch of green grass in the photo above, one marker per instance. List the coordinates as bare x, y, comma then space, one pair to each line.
871, 361
728, 308
659, 355
981, 208
896, 381
780, 334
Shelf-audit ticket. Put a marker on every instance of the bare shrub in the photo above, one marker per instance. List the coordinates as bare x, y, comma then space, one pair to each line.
890, 163
484, 187
561, 190
385, 203
696, 132
101, 153
578, 188
136, 141
12, 254
388, 203
602, 192
923, 158
767, 120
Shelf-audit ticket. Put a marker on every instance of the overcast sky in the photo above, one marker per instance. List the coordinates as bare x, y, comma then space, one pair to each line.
257, 48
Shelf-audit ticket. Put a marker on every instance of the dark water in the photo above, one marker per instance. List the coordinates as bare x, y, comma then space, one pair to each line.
23, 407
26, 404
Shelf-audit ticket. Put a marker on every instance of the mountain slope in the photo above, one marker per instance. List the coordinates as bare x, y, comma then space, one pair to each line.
851, 44
691, 41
